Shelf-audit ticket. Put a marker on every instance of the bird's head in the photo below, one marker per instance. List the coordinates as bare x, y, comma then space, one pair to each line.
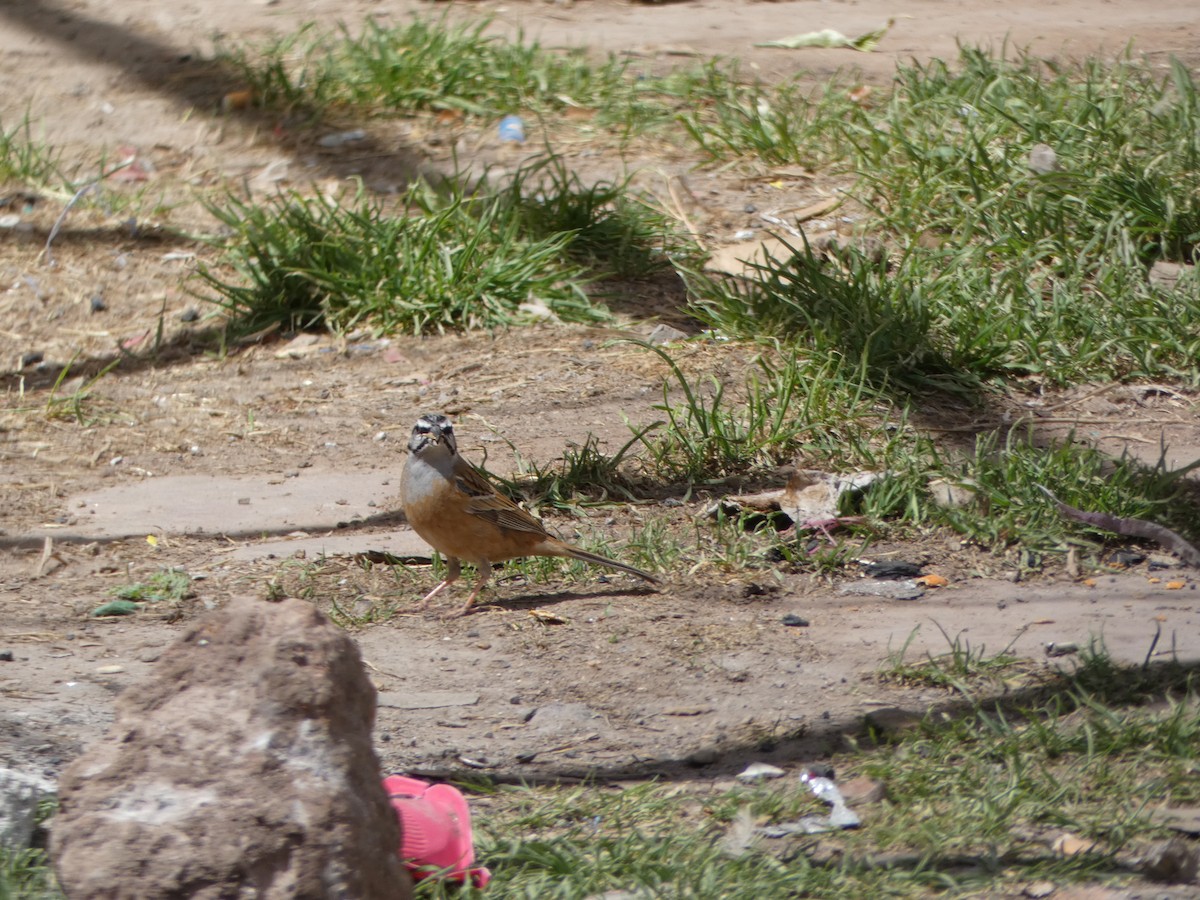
431, 431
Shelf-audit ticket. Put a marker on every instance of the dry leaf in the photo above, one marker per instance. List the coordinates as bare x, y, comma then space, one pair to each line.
740, 260
236, 101
860, 94
1070, 845
817, 209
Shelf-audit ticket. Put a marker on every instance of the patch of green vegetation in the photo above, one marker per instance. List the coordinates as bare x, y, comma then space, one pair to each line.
27, 875
432, 65
584, 475
1009, 508
962, 667
950, 154
791, 405
790, 408
24, 160
432, 262
862, 312
76, 403
776, 124
614, 232
166, 584
998, 265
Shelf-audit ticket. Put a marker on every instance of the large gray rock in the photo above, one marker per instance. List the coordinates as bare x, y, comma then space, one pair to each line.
242, 768
20, 794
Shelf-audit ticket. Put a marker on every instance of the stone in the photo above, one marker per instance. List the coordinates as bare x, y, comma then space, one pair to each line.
1174, 861
863, 790
20, 793
665, 334
1043, 160
242, 767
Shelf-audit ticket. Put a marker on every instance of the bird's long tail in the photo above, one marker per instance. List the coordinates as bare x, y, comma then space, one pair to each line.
598, 560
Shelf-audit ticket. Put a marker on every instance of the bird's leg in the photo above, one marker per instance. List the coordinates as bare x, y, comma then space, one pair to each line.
485, 572
824, 525
453, 570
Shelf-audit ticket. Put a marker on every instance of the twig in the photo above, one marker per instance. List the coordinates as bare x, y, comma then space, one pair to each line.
1151, 531
682, 215
58, 223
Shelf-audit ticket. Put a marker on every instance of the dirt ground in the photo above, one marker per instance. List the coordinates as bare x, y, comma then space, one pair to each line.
221, 457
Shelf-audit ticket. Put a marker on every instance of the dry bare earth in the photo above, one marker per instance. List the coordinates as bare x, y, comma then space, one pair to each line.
279, 438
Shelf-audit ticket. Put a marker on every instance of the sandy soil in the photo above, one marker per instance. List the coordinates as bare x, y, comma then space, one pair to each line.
555, 679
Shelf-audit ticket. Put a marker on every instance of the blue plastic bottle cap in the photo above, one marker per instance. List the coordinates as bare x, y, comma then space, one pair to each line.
512, 128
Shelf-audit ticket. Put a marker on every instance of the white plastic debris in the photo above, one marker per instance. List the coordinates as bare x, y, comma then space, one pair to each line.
760, 772
840, 815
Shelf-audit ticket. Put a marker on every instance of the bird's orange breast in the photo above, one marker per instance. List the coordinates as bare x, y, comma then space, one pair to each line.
445, 524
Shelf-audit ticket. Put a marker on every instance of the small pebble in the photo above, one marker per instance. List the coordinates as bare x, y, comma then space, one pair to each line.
189, 315
794, 621
98, 304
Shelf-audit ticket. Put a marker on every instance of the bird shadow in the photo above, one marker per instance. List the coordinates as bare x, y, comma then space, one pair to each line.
537, 600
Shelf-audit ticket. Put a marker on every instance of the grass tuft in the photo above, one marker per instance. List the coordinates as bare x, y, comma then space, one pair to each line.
24, 160
432, 263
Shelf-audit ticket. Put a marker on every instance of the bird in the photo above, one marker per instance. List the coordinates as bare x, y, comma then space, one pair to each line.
457, 511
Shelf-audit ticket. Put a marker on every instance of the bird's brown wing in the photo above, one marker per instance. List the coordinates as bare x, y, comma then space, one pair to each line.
484, 501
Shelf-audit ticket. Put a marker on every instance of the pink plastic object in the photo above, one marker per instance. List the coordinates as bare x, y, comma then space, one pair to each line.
435, 830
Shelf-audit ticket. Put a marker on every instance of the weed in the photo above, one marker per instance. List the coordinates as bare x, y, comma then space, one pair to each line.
853, 308
962, 668
584, 475
437, 262
613, 233
1010, 507
75, 404
775, 124
792, 406
359, 612
431, 65
167, 584
24, 160
27, 875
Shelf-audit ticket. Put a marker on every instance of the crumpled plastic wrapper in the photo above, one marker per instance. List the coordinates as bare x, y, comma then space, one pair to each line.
840, 815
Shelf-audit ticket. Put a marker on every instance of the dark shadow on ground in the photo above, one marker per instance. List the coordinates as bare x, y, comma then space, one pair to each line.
1105, 683
199, 84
